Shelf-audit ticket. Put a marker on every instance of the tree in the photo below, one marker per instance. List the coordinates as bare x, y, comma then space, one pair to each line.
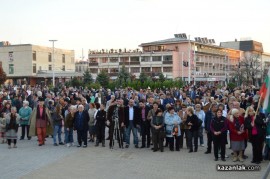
87, 77
143, 77
3, 75
103, 78
123, 75
250, 67
76, 82
161, 77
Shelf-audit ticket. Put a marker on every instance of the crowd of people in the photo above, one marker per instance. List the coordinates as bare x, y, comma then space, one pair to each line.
159, 117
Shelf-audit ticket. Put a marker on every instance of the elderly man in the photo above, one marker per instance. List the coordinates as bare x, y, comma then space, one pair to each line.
132, 121
81, 119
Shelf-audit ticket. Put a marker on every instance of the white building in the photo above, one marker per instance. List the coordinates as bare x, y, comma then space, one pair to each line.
32, 64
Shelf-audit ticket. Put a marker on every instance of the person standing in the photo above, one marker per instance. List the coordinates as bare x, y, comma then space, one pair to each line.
12, 124
25, 113
100, 119
157, 124
255, 126
193, 123
91, 113
69, 126
172, 121
209, 116
81, 120
57, 125
132, 121
201, 115
183, 126
40, 122
219, 129
145, 125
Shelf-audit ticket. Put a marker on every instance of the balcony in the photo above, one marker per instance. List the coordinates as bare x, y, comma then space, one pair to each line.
129, 63
93, 64
167, 62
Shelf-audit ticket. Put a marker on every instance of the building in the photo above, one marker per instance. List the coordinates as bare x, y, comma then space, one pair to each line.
33, 64
208, 62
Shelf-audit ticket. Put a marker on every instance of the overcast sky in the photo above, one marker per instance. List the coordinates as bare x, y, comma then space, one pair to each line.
98, 24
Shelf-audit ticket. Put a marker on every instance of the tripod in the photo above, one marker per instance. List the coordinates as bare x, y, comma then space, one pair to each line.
117, 134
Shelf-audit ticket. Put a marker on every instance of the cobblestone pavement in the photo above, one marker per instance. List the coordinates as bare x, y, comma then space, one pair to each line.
31, 161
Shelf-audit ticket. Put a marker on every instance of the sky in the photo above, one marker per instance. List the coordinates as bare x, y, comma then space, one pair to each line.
106, 24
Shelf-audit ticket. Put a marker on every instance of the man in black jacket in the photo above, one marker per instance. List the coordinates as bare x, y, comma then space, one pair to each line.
145, 124
132, 121
209, 116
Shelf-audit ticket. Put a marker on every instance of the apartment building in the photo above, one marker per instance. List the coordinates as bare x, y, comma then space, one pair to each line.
33, 64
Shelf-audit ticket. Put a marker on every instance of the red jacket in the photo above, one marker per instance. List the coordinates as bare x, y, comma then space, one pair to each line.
233, 132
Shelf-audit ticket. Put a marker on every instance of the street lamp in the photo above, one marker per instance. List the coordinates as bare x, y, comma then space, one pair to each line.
53, 61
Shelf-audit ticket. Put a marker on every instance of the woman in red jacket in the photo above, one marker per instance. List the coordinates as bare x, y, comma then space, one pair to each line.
237, 135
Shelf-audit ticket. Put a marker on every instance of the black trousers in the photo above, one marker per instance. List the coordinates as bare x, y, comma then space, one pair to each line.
145, 129
117, 134
177, 142
181, 140
82, 137
14, 141
209, 141
193, 136
23, 131
219, 143
158, 138
257, 147
100, 132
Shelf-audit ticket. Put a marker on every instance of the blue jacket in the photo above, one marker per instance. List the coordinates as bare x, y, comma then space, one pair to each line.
169, 121
209, 116
167, 101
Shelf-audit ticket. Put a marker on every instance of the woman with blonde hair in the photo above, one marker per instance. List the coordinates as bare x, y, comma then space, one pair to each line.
193, 123
254, 124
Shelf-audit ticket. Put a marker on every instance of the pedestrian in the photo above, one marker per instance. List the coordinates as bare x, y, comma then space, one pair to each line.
81, 120
201, 115
57, 119
91, 112
3, 128
157, 124
193, 123
100, 119
219, 128
172, 121
69, 126
25, 113
41, 122
12, 124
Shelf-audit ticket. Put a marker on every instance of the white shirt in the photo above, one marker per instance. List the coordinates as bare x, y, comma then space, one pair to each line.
131, 113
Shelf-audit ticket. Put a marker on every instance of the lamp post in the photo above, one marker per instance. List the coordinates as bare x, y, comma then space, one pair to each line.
53, 61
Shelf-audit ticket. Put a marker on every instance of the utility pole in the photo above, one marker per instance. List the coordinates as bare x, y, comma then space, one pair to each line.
189, 65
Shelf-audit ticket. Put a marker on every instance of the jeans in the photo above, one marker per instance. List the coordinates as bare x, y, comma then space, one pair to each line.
201, 135
57, 130
134, 131
68, 135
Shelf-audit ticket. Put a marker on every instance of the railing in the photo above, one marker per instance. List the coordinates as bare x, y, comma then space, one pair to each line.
129, 63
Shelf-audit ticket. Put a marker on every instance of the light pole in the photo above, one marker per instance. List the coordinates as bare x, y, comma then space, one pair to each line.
189, 66
53, 61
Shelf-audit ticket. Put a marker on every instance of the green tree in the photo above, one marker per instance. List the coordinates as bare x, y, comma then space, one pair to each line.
87, 77
103, 78
123, 75
143, 77
3, 75
76, 82
161, 77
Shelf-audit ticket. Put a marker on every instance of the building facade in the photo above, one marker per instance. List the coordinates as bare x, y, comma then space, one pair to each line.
33, 64
208, 62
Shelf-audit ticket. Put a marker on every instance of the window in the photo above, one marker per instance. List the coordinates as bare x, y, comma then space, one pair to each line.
10, 56
156, 58
34, 56
134, 59
63, 58
197, 69
135, 70
114, 60
34, 68
104, 60
145, 59
167, 58
146, 69
11, 69
114, 70
50, 68
64, 68
156, 69
124, 59
167, 69
50, 57
93, 70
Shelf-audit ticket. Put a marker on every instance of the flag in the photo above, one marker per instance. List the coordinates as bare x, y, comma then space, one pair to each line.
265, 93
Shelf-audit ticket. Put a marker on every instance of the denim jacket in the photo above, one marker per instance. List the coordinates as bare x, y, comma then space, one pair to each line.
169, 121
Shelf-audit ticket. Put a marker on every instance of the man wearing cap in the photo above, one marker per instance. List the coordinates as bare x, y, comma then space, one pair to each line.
40, 122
